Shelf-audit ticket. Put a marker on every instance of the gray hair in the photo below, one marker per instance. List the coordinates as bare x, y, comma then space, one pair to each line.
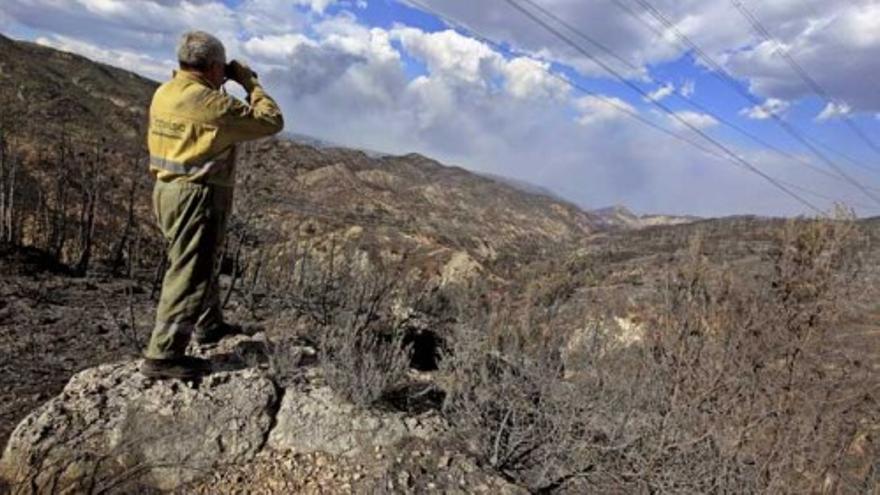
198, 50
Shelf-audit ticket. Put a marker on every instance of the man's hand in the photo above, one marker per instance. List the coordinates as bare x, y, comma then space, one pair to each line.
242, 74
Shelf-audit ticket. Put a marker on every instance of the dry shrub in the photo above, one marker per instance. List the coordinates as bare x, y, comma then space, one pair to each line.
360, 337
356, 316
738, 386
507, 400
55, 200
513, 411
752, 392
362, 363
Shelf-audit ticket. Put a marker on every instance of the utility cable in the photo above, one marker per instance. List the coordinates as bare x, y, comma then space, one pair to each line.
678, 118
721, 73
625, 109
689, 101
801, 72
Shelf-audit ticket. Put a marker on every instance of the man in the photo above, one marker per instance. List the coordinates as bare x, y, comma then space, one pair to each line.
194, 127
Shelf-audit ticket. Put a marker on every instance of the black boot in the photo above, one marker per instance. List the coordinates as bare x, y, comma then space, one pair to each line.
214, 335
210, 337
183, 368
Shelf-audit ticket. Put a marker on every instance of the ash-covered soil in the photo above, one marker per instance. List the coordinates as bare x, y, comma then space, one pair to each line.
53, 325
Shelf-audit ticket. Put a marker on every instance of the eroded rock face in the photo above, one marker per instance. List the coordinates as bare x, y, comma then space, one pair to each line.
317, 420
112, 425
114, 430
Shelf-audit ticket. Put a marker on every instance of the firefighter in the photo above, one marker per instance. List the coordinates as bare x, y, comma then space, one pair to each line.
194, 129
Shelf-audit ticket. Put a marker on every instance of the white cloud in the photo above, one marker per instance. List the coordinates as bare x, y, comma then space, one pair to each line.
601, 109
766, 110
136, 62
344, 54
661, 92
315, 5
463, 60
688, 88
530, 78
451, 55
269, 17
341, 80
5, 20
815, 32
695, 119
344, 33
127, 33
138, 24
833, 111
275, 48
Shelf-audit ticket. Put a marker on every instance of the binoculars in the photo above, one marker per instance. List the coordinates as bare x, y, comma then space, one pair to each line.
230, 72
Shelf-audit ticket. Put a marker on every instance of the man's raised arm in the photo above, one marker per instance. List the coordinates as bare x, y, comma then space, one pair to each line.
241, 122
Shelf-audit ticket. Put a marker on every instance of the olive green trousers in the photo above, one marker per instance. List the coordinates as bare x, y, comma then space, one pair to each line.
193, 219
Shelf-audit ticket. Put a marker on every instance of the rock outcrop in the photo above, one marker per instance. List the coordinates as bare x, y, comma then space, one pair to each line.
112, 429
317, 420
111, 425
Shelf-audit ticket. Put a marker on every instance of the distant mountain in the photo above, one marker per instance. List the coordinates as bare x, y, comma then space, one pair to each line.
525, 186
622, 218
452, 220
616, 217
324, 144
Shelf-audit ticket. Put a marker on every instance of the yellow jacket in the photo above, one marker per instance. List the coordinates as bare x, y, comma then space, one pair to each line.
194, 128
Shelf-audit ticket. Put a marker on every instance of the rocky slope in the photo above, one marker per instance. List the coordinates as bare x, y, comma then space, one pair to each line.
113, 430
293, 198
108, 422
457, 223
45, 93
621, 217
452, 222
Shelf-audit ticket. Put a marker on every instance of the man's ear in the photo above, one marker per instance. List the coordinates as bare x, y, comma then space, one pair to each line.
218, 73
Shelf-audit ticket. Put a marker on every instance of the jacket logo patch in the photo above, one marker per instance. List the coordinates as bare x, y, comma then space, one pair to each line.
166, 128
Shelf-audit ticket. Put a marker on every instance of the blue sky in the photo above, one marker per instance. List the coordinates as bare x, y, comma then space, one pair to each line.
386, 75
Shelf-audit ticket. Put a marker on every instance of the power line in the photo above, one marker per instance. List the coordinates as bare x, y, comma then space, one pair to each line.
801, 72
722, 74
659, 32
825, 196
849, 158
678, 118
691, 102
625, 109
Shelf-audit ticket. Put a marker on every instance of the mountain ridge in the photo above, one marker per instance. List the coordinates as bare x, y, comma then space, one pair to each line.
303, 189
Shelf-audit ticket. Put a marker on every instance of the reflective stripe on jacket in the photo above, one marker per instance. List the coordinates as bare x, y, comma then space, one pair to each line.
194, 129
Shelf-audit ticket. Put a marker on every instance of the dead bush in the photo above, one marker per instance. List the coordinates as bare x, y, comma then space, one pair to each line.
357, 316
514, 414
364, 349
737, 387
740, 387
363, 363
